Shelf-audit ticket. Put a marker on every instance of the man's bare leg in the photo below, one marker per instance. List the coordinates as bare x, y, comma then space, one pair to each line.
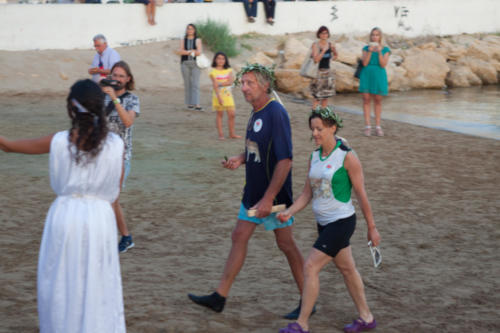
240, 236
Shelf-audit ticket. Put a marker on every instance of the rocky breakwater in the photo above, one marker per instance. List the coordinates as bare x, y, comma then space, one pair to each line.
426, 62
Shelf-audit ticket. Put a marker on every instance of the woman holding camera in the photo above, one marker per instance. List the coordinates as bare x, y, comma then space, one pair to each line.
322, 53
78, 281
122, 107
373, 79
189, 49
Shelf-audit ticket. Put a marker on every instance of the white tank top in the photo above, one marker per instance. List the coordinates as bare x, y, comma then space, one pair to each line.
331, 186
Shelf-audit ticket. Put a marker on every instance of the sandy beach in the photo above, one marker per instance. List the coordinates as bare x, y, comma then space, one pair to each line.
434, 195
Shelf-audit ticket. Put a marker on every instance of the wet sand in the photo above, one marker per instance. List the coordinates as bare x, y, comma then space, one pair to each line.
434, 195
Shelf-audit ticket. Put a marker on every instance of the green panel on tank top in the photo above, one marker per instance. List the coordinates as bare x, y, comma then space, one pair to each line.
341, 185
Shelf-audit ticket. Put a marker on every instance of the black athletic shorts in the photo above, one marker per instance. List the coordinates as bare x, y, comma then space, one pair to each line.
335, 236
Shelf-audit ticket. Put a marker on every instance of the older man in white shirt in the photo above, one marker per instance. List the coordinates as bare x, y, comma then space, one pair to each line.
104, 59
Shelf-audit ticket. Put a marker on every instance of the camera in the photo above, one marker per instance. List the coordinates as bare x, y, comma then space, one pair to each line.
116, 85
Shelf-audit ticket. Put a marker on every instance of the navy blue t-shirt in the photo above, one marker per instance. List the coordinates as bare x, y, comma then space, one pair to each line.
268, 140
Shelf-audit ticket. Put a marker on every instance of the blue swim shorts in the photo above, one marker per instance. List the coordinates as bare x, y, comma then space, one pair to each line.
270, 222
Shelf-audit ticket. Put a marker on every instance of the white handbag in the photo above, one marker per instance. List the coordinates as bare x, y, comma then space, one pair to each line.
202, 61
309, 68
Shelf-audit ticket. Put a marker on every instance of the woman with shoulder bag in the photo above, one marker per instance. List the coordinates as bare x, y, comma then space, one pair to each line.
322, 53
190, 48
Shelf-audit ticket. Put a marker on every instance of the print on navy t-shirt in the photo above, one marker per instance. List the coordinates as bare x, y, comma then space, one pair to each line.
268, 140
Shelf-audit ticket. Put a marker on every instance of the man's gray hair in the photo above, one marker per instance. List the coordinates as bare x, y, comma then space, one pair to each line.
101, 37
263, 81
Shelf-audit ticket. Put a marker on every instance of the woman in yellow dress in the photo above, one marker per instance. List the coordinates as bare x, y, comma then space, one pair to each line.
222, 99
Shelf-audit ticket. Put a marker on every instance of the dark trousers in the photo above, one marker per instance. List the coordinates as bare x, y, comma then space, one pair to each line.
251, 7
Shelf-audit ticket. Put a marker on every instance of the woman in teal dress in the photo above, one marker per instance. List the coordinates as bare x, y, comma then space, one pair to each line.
373, 79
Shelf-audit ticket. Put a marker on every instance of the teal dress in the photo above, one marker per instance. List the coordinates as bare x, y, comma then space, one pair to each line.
373, 78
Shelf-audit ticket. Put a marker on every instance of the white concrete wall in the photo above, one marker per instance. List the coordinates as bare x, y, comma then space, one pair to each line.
70, 26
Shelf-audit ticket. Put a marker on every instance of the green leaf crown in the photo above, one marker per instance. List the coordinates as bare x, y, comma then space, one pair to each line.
328, 113
267, 72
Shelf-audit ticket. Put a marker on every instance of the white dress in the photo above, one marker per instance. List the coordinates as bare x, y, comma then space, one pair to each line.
79, 283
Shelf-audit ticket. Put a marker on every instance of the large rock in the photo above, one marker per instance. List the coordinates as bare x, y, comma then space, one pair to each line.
344, 77
347, 55
484, 70
425, 69
289, 81
463, 39
496, 64
261, 58
272, 53
461, 76
428, 46
396, 77
453, 51
493, 47
484, 49
479, 50
349, 50
492, 39
295, 53
395, 60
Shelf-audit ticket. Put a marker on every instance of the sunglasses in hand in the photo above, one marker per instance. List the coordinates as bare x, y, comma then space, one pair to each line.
376, 256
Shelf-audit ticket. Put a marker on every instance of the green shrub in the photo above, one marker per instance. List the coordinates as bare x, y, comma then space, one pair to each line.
217, 37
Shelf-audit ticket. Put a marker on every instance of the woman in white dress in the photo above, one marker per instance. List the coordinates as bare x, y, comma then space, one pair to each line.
79, 283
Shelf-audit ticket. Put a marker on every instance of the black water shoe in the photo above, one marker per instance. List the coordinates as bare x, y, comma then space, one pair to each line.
213, 301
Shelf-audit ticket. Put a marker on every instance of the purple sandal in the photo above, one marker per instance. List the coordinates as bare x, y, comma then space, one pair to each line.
359, 325
293, 328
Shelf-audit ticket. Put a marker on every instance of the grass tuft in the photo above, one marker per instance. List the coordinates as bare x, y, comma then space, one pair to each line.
217, 37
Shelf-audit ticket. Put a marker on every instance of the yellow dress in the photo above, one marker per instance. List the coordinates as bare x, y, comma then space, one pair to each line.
222, 76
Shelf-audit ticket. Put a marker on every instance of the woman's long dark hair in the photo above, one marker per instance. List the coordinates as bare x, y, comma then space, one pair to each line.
85, 104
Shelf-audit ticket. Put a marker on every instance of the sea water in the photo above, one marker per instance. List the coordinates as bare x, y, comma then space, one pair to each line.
473, 111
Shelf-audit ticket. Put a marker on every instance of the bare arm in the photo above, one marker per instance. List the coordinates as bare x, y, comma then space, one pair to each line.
334, 52
215, 85
127, 116
383, 59
229, 82
199, 47
103, 71
182, 50
355, 171
27, 146
366, 57
280, 174
300, 203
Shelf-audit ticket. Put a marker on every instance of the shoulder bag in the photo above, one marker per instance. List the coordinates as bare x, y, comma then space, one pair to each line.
202, 61
357, 73
309, 68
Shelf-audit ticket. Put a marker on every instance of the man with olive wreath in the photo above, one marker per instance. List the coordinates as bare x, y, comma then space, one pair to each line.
268, 162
